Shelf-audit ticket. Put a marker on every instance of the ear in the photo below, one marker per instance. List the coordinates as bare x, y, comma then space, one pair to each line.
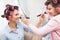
11, 13
10, 17
58, 9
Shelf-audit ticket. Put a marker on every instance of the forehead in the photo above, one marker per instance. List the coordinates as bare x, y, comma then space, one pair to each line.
15, 11
50, 6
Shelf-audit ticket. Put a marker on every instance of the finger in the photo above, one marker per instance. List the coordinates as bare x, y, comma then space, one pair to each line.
42, 15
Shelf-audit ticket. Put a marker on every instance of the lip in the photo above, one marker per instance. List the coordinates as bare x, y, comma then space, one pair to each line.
17, 18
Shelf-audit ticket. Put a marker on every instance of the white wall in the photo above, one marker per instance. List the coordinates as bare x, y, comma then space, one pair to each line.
35, 7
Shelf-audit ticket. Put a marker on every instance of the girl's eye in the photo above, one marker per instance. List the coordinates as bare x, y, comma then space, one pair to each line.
49, 9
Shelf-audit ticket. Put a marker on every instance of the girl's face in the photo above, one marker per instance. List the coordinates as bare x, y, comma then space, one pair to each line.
15, 16
51, 10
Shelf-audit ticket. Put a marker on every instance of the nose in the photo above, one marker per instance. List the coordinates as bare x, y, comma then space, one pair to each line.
47, 11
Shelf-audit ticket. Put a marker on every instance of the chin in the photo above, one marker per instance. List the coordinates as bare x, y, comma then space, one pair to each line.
51, 14
16, 21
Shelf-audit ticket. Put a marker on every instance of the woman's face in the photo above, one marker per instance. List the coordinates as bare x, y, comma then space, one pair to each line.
51, 10
15, 16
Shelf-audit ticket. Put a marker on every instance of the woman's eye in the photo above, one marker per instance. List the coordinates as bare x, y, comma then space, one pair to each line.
17, 14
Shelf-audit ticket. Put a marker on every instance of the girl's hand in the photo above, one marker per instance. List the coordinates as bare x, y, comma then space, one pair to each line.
25, 21
42, 18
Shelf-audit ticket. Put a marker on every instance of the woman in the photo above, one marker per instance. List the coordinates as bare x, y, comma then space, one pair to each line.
15, 29
53, 26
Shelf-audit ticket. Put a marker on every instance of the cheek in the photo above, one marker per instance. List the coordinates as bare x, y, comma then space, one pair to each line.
13, 18
52, 11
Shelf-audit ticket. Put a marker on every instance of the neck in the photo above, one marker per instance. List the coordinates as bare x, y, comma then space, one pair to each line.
12, 24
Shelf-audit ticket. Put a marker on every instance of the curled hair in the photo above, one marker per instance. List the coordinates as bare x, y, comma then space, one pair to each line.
54, 3
9, 9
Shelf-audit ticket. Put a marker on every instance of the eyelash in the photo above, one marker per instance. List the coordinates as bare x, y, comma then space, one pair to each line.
17, 14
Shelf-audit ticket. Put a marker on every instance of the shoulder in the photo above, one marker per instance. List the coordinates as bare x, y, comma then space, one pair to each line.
54, 21
57, 18
20, 23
